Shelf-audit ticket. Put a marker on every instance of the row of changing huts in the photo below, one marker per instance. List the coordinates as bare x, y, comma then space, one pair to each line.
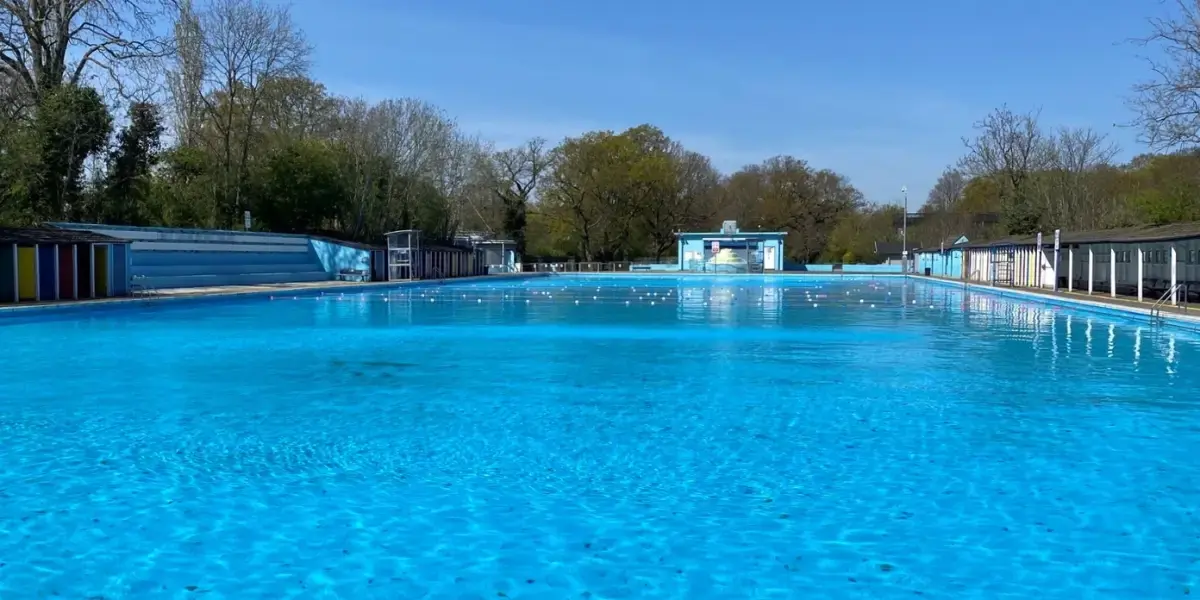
1143, 262
45, 264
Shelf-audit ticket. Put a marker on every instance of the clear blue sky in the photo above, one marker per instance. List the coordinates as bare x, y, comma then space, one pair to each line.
879, 90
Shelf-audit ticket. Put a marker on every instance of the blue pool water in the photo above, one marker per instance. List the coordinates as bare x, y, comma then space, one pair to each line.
620, 437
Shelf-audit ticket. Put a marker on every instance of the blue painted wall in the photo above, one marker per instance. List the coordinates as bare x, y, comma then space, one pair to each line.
163, 257
947, 263
335, 258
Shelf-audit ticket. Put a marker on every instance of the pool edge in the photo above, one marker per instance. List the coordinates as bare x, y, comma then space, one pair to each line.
1186, 322
85, 306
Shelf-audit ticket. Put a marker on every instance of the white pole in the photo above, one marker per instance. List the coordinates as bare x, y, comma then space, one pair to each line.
904, 230
1112, 272
1141, 259
1070, 268
1174, 277
1091, 270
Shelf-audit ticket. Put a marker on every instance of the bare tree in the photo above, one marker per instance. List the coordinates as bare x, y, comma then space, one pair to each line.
245, 45
947, 191
943, 200
1010, 148
519, 171
47, 43
186, 80
1168, 105
1068, 188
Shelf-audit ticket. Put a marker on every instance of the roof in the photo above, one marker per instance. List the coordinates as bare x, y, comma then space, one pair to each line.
946, 244
446, 248
730, 236
1123, 235
890, 248
51, 235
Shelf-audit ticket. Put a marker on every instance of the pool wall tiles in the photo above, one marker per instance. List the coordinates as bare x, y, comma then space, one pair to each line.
27, 279
8, 273
66, 272
47, 272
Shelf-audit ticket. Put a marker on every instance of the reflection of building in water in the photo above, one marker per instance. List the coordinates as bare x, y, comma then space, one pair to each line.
772, 303
706, 304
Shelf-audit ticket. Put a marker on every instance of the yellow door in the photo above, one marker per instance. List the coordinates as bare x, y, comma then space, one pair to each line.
27, 275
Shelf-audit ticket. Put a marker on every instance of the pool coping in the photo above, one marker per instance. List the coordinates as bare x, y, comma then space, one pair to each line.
179, 296
1095, 306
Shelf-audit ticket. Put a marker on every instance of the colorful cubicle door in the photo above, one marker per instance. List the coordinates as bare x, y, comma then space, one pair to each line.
27, 276
8, 272
66, 272
103, 269
83, 271
47, 266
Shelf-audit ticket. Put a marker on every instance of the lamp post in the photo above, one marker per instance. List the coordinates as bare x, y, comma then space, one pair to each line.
904, 230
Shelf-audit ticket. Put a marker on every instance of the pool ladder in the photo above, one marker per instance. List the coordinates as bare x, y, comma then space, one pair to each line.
1156, 309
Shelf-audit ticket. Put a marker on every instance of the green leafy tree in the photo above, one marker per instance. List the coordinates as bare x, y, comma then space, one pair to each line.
127, 185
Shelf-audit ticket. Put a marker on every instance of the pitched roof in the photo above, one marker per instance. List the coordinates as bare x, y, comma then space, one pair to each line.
949, 242
1123, 235
52, 235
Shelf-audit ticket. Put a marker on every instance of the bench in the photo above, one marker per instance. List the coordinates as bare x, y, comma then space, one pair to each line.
139, 287
360, 275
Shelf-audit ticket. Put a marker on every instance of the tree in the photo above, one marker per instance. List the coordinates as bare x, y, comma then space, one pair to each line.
70, 124
947, 192
186, 81
786, 193
1010, 147
45, 44
1168, 105
300, 188
127, 185
245, 45
520, 171
589, 194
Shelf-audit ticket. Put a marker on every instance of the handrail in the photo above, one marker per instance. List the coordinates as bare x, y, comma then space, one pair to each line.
1156, 308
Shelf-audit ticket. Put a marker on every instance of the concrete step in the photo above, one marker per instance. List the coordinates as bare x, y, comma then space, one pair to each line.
188, 281
223, 269
163, 258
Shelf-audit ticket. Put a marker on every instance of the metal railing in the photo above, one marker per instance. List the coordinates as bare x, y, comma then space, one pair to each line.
574, 267
1156, 309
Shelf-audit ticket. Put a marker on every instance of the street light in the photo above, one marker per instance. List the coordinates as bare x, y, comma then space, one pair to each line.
904, 230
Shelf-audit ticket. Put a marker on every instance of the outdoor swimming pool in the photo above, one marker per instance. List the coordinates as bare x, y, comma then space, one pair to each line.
619, 437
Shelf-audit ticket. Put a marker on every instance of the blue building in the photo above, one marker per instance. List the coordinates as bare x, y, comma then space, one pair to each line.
946, 260
731, 250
